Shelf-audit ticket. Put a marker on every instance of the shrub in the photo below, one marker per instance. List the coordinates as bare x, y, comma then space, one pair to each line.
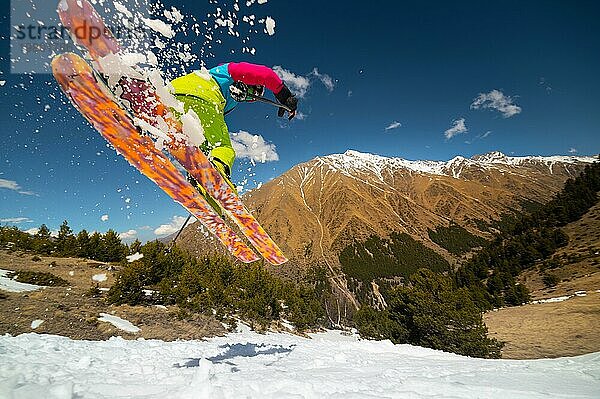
455, 239
550, 280
94, 291
38, 278
215, 284
431, 312
128, 289
400, 255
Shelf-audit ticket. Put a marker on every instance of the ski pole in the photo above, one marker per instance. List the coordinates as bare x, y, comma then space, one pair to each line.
172, 244
271, 102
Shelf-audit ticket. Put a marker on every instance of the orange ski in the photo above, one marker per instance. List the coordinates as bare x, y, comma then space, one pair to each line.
92, 99
140, 97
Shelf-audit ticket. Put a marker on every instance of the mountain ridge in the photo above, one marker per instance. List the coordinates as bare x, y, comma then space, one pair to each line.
318, 208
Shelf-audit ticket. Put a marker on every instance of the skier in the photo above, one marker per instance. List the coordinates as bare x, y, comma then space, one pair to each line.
213, 98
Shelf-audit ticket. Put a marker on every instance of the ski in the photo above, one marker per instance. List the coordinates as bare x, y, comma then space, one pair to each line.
139, 95
77, 79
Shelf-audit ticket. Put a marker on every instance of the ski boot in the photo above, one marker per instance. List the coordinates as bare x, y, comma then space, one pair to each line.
224, 171
211, 201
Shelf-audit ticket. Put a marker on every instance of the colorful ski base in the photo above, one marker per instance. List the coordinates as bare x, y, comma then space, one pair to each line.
76, 78
142, 100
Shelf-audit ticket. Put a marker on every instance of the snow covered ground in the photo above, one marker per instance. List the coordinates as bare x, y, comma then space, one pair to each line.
250, 365
10, 285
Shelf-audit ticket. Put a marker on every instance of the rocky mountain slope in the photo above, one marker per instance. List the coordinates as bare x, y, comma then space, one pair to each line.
321, 207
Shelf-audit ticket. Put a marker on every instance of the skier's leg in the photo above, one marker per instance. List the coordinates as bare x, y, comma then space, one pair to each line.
218, 143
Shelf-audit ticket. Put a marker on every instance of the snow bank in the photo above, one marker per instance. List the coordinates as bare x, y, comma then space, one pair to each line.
10, 285
251, 365
118, 322
552, 300
99, 278
36, 323
561, 298
134, 257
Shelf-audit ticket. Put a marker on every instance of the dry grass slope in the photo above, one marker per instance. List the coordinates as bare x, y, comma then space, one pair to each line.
563, 328
69, 311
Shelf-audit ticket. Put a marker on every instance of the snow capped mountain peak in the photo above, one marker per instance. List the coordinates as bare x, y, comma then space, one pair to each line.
352, 161
491, 157
355, 161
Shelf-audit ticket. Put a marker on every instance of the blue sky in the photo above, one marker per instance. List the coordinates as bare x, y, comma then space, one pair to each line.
419, 66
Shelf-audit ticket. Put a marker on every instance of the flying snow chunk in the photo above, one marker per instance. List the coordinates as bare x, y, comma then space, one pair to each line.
159, 26
270, 26
2, 83
134, 257
63, 5
204, 73
118, 322
192, 128
104, 218
122, 9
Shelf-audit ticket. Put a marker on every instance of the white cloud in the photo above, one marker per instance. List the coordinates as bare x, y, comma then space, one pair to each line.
497, 100
104, 218
324, 78
572, 150
171, 228
297, 84
15, 220
479, 137
458, 127
542, 82
32, 231
253, 147
14, 186
393, 125
128, 235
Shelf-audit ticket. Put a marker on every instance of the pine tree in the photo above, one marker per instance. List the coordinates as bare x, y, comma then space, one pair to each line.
430, 311
135, 247
83, 244
437, 315
42, 241
65, 242
114, 249
96, 247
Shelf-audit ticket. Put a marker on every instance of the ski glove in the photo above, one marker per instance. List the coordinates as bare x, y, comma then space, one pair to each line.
285, 97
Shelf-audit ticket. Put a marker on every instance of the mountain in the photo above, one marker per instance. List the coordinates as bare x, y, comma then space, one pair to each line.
344, 204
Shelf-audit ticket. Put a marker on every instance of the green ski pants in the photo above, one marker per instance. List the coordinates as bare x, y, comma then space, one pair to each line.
205, 99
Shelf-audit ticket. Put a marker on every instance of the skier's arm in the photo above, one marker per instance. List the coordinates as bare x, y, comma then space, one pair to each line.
255, 75
260, 75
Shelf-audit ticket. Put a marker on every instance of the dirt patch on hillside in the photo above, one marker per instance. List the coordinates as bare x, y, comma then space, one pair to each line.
72, 312
567, 328
548, 330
